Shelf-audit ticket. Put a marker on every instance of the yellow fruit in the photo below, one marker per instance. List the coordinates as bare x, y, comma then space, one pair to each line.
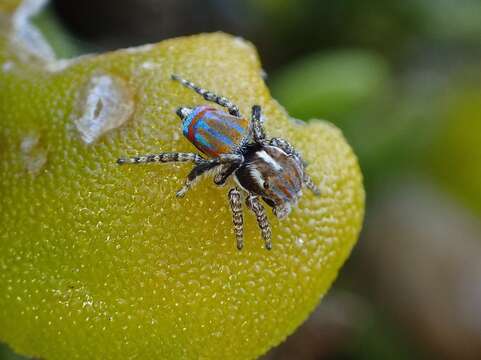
102, 261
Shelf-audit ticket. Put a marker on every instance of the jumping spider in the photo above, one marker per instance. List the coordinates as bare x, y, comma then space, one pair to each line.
270, 169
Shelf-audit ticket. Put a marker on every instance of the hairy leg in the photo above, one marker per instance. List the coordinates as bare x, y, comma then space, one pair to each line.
162, 158
237, 217
287, 147
227, 171
205, 166
210, 96
258, 132
258, 209
308, 183
194, 175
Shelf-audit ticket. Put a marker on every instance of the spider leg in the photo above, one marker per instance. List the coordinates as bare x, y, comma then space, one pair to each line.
222, 177
227, 171
162, 158
257, 128
257, 208
237, 217
308, 183
193, 176
210, 96
287, 147
205, 166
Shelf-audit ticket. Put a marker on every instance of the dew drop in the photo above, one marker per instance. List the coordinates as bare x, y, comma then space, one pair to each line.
105, 104
33, 154
299, 242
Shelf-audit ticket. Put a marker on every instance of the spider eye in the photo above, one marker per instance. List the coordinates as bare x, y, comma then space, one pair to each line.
266, 185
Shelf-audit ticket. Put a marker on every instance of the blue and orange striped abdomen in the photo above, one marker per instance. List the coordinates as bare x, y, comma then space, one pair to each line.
214, 131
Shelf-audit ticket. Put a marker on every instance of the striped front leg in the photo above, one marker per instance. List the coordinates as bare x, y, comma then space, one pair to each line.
162, 158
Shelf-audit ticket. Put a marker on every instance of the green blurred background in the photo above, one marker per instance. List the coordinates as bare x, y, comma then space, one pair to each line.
402, 79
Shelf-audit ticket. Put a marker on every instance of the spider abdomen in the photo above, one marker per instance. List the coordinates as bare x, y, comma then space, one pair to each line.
214, 131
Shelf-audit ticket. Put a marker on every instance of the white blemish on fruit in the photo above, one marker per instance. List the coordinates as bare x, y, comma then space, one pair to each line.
105, 104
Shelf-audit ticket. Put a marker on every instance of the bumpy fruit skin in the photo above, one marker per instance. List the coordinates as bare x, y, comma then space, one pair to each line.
102, 261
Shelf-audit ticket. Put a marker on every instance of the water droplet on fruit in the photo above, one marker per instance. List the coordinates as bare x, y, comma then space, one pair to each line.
299, 242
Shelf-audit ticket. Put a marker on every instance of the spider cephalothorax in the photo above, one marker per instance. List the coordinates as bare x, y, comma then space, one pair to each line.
271, 170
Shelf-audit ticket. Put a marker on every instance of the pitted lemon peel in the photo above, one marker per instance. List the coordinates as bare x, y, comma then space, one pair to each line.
103, 261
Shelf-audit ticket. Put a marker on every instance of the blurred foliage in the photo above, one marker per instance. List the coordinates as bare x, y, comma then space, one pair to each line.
379, 340
331, 85
455, 157
391, 27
